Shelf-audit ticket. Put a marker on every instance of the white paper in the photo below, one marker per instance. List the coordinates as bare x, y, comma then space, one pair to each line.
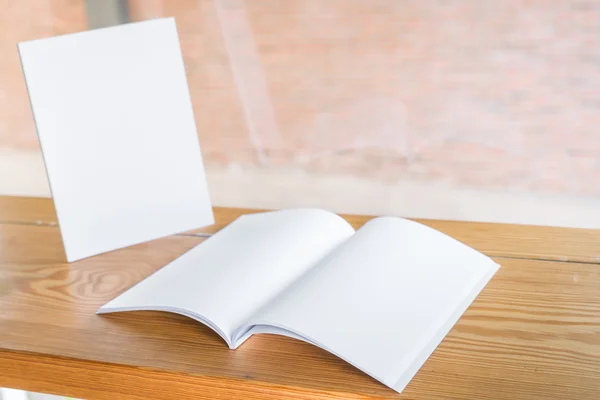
384, 299
117, 130
224, 280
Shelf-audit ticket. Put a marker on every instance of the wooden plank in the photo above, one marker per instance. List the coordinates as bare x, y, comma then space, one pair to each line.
533, 333
26, 244
523, 241
29, 210
92, 380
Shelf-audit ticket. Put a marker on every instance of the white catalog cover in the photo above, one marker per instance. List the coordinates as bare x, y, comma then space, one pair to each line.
116, 127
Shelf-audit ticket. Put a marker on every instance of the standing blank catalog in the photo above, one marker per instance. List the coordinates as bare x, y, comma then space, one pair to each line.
116, 127
382, 298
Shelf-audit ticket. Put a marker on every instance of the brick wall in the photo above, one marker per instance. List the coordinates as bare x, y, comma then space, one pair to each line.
487, 94
19, 21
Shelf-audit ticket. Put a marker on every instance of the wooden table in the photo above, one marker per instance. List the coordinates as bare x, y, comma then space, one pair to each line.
533, 333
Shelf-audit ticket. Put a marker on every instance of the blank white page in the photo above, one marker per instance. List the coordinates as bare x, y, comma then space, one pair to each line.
384, 299
117, 130
224, 280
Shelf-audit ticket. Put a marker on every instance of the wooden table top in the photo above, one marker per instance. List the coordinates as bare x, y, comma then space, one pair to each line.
533, 333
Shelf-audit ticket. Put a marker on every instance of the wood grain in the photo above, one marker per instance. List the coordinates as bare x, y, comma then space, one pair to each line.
522, 241
533, 333
92, 380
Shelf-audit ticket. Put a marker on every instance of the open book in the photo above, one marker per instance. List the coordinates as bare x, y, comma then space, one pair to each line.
382, 298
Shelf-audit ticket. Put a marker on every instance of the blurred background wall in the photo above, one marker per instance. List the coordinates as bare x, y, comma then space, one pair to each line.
463, 109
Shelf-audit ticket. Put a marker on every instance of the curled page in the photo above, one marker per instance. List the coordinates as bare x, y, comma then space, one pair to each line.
227, 278
384, 299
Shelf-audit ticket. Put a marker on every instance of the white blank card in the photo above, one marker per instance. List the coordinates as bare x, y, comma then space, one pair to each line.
116, 126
